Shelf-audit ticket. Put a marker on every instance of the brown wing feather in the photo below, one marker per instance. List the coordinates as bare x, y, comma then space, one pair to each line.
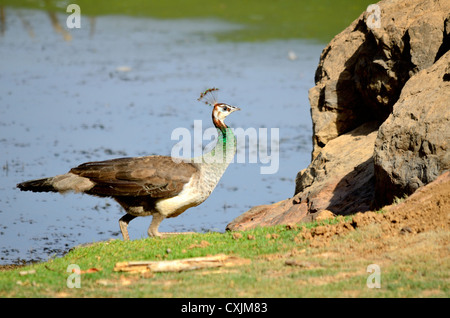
155, 176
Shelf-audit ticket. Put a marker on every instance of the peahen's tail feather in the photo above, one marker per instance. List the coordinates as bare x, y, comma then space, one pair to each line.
62, 183
39, 185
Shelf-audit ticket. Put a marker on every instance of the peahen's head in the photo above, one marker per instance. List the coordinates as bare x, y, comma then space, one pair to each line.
220, 110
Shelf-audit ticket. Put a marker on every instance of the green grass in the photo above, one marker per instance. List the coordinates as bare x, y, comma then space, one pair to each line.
415, 269
50, 277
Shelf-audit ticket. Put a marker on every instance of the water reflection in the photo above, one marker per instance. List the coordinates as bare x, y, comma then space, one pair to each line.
2, 20
54, 21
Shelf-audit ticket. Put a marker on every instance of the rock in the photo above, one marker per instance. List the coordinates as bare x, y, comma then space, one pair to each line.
433, 196
395, 75
320, 230
283, 212
324, 215
362, 70
412, 148
340, 180
334, 102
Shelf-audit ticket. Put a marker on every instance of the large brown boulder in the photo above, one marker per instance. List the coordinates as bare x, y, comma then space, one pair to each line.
395, 72
363, 69
412, 147
340, 179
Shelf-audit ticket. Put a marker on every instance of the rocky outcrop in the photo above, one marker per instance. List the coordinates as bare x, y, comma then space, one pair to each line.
380, 112
412, 147
363, 69
340, 178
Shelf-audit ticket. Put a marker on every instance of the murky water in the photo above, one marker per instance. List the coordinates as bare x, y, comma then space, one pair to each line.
119, 88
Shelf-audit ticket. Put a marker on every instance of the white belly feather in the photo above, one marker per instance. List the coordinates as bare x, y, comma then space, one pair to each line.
188, 197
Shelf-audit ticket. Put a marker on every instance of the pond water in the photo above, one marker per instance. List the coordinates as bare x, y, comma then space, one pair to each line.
118, 87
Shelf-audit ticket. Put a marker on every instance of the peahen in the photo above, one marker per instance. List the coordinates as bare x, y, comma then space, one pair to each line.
160, 186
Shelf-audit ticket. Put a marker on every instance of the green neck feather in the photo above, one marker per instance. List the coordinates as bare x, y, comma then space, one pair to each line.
225, 149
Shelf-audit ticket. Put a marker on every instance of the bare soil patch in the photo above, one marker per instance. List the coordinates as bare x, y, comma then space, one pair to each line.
419, 224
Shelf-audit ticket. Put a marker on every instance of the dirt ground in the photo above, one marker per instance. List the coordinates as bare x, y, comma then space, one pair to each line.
428, 209
418, 226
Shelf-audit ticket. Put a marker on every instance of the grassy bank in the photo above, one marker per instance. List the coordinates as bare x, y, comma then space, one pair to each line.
285, 262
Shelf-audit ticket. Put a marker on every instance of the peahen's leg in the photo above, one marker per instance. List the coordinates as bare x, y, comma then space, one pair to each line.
123, 223
156, 221
153, 229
